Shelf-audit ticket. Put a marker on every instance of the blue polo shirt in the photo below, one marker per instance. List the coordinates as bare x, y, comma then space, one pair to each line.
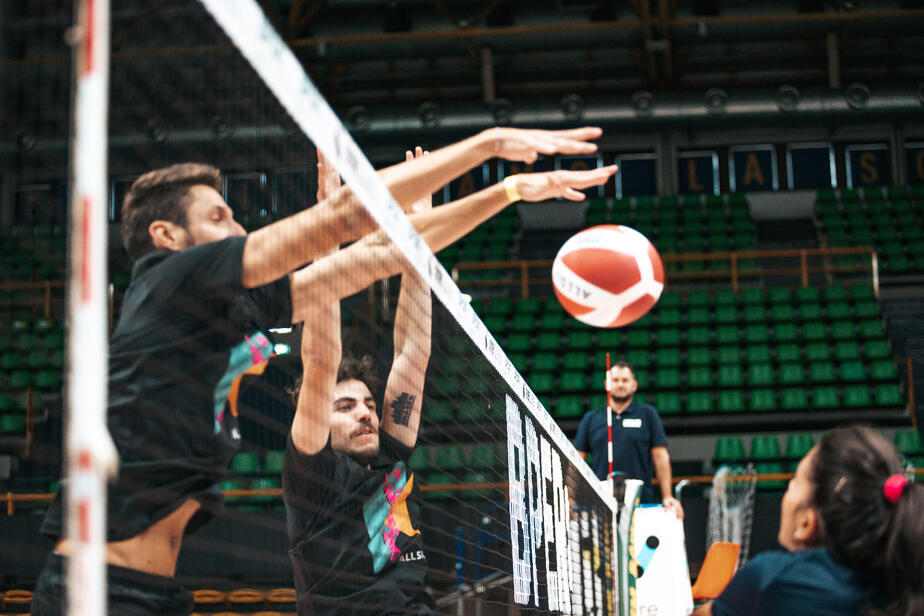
635, 431
804, 583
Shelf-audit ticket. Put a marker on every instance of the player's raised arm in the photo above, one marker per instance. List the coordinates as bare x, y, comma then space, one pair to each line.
413, 323
280, 248
320, 349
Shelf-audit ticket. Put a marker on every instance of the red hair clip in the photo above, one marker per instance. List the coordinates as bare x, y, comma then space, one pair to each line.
893, 488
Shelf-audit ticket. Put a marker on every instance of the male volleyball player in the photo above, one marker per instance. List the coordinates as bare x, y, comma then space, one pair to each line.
353, 533
201, 294
639, 442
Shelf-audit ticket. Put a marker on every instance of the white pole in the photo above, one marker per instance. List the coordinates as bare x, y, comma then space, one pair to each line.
91, 456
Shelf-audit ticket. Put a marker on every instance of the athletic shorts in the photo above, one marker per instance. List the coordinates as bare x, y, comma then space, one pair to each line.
130, 592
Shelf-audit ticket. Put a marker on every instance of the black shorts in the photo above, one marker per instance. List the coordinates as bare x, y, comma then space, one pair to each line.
130, 592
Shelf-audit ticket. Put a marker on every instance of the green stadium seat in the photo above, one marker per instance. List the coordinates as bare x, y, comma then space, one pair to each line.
908, 442
20, 379
810, 311
669, 356
756, 333
757, 353
545, 362
609, 338
528, 305
872, 328
876, 349
782, 314
698, 315
838, 310
789, 352
420, 459
667, 378
575, 360
726, 314
579, 340
698, 298
817, 351
669, 316
857, 396
852, 370
519, 361
573, 381
807, 295
731, 401
499, 307
699, 402
728, 354
245, 463
435, 480
699, 376
846, 350
797, 446
770, 468
762, 400
791, 373
518, 342
670, 300
729, 449
542, 382
784, 332
449, 457
730, 375
834, 293
47, 380
522, 323
569, 407
638, 337
669, 336
272, 463
754, 313
793, 399
697, 356
841, 330
862, 292
825, 397
760, 374
814, 330
822, 372
779, 296
699, 335
638, 358
552, 321
725, 334
495, 323
765, 448
667, 403
866, 308
883, 370
724, 297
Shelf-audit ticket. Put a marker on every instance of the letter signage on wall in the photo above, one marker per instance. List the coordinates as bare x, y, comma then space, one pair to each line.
914, 156
868, 165
698, 172
810, 165
752, 168
637, 175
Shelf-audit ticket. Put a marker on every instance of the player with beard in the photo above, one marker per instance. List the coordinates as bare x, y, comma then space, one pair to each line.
639, 442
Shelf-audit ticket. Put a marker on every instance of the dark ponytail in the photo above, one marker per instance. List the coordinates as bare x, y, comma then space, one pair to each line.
880, 540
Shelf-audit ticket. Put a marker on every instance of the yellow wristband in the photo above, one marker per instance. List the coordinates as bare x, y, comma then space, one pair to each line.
510, 187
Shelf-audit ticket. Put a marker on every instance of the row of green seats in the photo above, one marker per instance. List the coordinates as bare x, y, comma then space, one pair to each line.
753, 354
249, 463
813, 331
45, 380
871, 193
762, 400
34, 358
453, 457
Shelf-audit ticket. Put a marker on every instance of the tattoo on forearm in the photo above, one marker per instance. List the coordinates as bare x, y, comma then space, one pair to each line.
401, 409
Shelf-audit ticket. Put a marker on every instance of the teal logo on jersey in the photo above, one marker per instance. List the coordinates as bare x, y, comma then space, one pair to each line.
254, 350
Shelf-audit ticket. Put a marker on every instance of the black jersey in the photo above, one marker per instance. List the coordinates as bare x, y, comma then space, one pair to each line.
188, 328
353, 532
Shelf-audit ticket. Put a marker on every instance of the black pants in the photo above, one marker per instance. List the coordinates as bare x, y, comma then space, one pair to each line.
129, 592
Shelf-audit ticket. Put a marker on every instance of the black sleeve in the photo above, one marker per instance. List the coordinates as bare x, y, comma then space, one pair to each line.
308, 480
270, 305
207, 270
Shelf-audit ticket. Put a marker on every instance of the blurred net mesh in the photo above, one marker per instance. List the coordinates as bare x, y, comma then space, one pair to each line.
507, 519
731, 507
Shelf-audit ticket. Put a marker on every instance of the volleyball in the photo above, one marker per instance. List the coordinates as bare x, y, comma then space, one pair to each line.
608, 275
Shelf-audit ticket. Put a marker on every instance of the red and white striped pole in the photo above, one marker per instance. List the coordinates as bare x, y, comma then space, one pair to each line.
91, 456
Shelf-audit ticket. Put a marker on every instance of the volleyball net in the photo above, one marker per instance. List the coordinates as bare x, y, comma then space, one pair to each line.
508, 512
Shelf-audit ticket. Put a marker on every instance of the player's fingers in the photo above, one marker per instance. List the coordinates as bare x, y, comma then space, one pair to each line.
573, 195
583, 133
408, 155
418, 152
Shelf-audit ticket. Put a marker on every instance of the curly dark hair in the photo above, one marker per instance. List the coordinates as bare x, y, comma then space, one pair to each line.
361, 369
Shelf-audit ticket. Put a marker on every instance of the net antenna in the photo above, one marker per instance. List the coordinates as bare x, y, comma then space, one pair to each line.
91, 457
731, 507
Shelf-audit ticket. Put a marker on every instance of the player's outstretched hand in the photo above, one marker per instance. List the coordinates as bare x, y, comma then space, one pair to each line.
553, 184
427, 202
525, 145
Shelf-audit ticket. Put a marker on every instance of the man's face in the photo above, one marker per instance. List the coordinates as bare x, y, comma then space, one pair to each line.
208, 217
622, 383
354, 426
795, 508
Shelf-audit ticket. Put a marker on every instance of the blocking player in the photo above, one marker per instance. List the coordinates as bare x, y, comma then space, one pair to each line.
353, 533
202, 293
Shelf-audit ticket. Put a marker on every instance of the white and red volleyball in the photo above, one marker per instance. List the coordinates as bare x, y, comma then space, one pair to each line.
608, 275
